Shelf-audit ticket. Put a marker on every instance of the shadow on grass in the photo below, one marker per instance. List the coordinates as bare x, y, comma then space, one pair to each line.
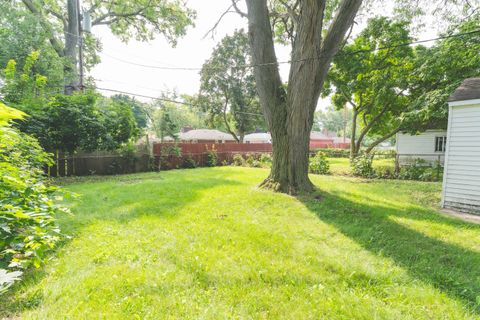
450, 268
116, 199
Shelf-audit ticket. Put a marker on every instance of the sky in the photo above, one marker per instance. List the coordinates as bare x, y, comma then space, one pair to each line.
192, 50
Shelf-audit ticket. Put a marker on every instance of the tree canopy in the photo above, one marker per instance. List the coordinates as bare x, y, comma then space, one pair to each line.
227, 87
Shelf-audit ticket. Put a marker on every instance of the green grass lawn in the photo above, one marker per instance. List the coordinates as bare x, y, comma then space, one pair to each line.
341, 166
206, 244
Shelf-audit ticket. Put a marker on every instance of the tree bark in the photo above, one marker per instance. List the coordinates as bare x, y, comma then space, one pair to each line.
290, 113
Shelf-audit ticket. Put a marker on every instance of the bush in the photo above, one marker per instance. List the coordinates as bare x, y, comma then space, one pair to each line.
238, 160
319, 163
335, 153
385, 172
212, 158
28, 228
362, 166
420, 170
266, 160
189, 163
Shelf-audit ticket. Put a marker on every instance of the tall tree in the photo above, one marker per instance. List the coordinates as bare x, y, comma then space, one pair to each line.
227, 90
374, 82
139, 19
317, 34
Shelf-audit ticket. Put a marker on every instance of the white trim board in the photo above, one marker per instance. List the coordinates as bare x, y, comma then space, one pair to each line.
464, 102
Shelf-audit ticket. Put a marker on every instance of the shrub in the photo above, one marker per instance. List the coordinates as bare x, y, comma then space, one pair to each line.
249, 160
266, 160
189, 162
319, 164
362, 166
385, 172
212, 158
28, 228
421, 170
335, 153
238, 160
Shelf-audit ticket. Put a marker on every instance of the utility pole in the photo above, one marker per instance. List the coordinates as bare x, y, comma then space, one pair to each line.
80, 46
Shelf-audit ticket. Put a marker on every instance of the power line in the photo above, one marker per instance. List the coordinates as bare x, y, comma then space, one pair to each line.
166, 100
301, 60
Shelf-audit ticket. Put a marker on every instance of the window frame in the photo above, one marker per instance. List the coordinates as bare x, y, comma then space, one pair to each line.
440, 143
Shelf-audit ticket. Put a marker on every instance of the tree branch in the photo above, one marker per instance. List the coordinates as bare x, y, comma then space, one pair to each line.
56, 44
240, 12
381, 139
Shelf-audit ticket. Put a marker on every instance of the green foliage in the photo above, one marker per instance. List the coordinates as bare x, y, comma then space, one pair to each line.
375, 82
266, 160
362, 166
385, 172
212, 158
421, 170
20, 34
335, 153
28, 229
227, 90
336, 121
138, 109
26, 87
319, 164
189, 162
119, 124
238, 160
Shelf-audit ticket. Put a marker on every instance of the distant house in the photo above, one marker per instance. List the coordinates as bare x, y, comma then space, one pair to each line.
202, 136
461, 179
317, 139
429, 146
258, 137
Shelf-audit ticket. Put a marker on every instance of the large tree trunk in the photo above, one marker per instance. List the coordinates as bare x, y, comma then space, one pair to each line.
290, 114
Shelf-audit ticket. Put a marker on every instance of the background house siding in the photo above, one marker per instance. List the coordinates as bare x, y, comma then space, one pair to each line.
462, 174
421, 146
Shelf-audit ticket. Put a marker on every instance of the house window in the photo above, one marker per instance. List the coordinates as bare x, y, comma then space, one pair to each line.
440, 144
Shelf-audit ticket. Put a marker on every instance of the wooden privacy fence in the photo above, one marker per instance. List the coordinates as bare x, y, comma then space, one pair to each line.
99, 163
165, 156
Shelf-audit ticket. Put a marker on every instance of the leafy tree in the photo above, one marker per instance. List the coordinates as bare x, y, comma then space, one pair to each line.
317, 35
337, 121
316, 30
227, 91
20, 35
67, 123
136, 106
139, 19
162, 112
437, 72
375, 82
26, 87
119, 123
167, 127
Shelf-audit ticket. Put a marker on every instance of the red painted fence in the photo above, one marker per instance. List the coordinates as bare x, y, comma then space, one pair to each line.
171, 155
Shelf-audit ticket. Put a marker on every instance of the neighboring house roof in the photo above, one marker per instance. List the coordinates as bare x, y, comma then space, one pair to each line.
202, 134
316, 135
468, 90
258, 136
340, 140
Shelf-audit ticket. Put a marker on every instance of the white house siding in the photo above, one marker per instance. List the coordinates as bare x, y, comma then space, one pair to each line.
410, 147
461, 185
